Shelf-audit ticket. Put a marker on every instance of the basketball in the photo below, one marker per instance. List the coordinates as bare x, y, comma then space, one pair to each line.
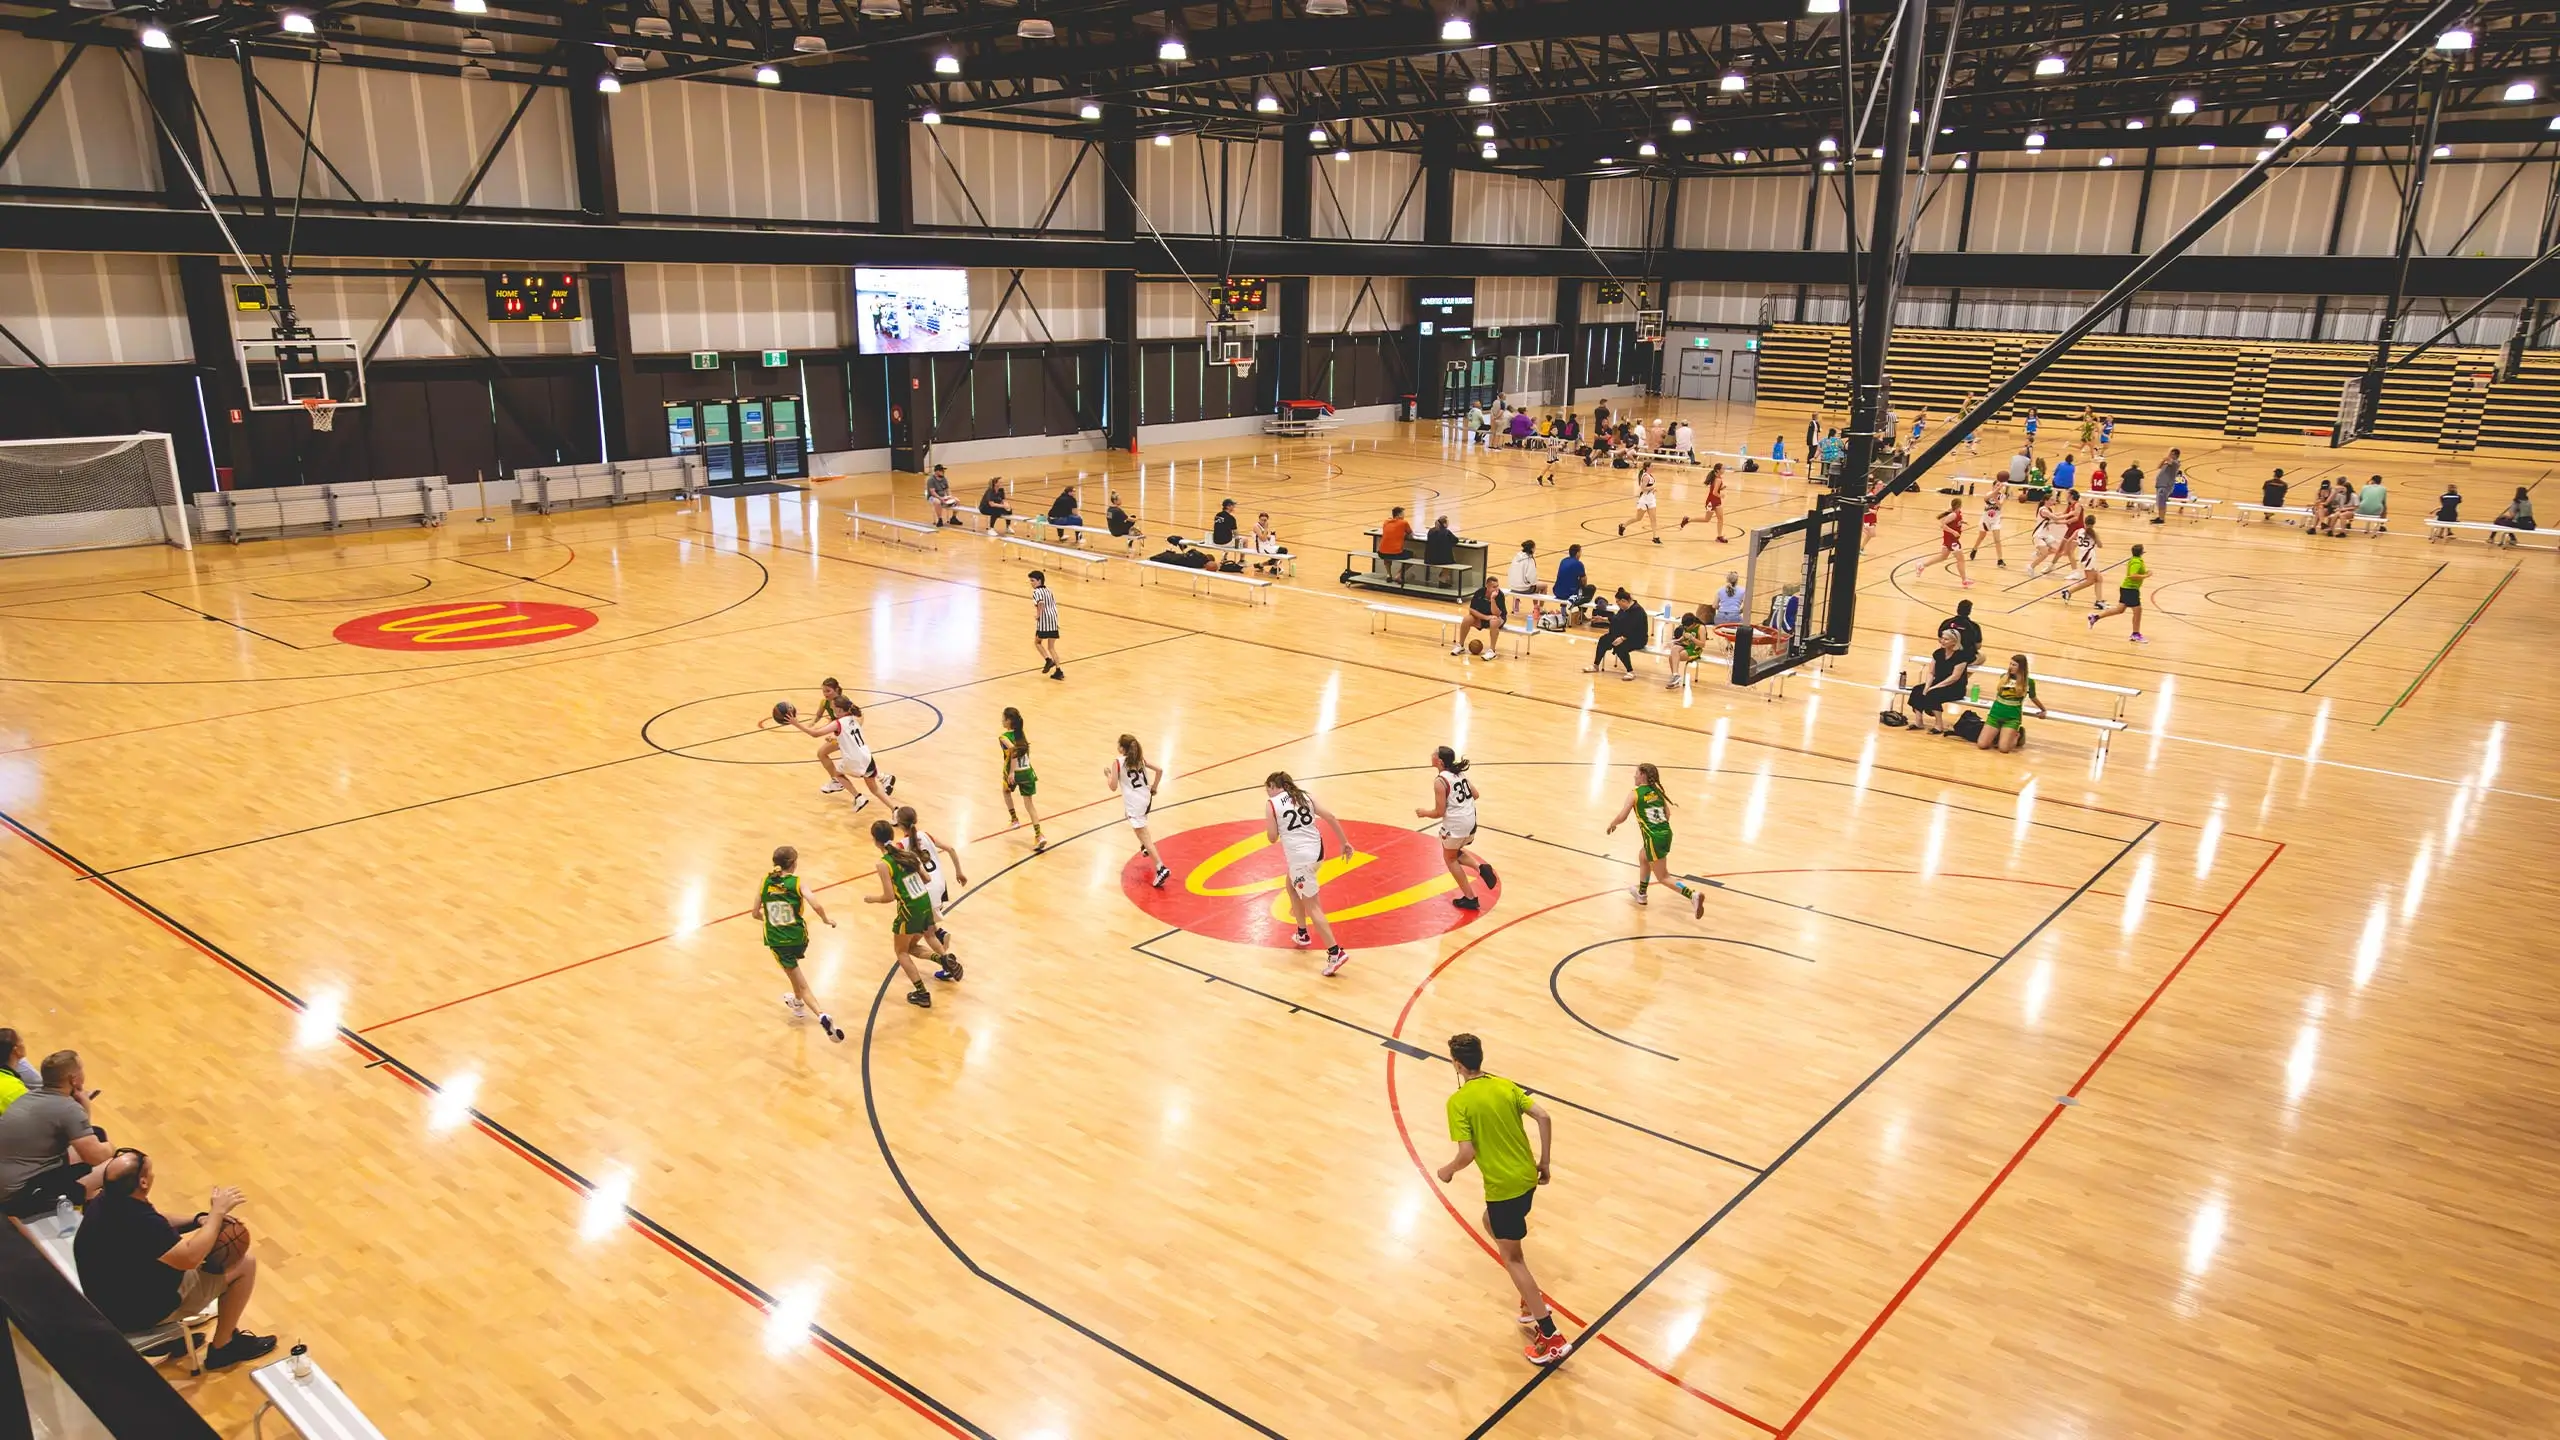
784, 712
1475, 646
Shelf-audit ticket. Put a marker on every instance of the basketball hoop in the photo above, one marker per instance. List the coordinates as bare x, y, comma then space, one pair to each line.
1244, 368
324, 413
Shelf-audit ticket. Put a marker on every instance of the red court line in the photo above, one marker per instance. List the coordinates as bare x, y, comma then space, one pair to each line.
2411, 692
1850, 1357
545, 1166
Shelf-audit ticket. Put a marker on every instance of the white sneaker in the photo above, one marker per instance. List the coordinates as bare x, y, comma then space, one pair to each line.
792, 1004
1335, 961
832, 787
861, 802
1638, 894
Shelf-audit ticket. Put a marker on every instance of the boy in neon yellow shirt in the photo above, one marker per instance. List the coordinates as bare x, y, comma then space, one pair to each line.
1484, 1118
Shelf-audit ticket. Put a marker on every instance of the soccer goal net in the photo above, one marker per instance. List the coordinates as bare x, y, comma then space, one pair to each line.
1531, 380
90, 494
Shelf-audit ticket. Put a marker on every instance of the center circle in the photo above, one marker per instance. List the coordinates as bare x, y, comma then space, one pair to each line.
733, 729
1228, 884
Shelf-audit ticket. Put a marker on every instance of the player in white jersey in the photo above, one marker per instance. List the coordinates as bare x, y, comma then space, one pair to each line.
1292, 825
1646, 501
1454, 806
941, 867
843, 752
1137, 781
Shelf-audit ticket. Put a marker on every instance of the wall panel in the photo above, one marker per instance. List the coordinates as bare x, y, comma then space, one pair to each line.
1491, 209
1198, 186
968, 175
2510, 194
1050, 306
2078, 212
1742, 212
678, 308
1694, 302
1515, 300
1374, 195
95, 133
92, 309
1352, 304
689, 148
392, 136
1626, 213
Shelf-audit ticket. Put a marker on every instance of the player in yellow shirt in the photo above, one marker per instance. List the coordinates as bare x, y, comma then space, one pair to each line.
2128, 596
1484, 1118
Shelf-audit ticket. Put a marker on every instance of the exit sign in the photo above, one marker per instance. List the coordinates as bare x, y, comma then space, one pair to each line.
776, 359
706, 359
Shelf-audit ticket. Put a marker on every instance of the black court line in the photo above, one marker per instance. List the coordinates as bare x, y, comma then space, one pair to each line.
379, 1056
2377, 625
1807, 1138
532, 580
218, 620
424, 582
1555, 977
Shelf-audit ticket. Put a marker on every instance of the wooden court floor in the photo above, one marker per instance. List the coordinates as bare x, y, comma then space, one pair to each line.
2204, 1091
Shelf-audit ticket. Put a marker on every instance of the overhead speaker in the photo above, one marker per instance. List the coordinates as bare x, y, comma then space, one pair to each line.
475, 71
653, 26
630, 60
882, 9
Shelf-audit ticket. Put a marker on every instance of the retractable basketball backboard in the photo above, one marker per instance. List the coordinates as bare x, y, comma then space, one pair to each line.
1230, 342
1801, 578
290, 372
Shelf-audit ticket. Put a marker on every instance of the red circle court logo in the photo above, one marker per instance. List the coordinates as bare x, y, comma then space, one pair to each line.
1228, 884
473, 625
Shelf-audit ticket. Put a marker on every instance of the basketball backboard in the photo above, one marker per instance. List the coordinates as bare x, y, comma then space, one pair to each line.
281, 372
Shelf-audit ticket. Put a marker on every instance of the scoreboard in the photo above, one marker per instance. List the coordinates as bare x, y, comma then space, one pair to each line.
547, 295
1244, 294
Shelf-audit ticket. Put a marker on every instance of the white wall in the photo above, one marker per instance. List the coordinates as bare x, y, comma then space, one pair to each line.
1515, 300
393, 136
1742, 212
970, 175
691, 148
1374, 195
1626, 212
95, 132
1694, 302
1052, 305
677, 308
1180, 186
91, 309
1487, 209
1338, 304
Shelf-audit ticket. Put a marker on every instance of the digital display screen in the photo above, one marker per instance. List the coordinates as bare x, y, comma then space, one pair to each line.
548, 295
1245, 294
1449, 303
911, 312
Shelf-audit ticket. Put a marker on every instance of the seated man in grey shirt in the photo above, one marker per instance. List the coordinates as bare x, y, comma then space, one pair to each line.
47, 1144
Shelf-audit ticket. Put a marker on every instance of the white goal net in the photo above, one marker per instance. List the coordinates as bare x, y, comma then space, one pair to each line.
1534, 379
90, 494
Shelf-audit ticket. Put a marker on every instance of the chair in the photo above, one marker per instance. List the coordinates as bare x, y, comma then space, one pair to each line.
193, 1333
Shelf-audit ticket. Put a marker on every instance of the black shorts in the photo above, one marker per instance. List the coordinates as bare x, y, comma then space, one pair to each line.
2128, 597
1509, 1219
1044, 634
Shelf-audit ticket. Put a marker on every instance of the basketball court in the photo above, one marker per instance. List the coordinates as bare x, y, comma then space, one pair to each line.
409, 873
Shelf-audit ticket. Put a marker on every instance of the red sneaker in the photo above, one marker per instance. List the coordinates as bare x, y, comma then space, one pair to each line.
1548, 1349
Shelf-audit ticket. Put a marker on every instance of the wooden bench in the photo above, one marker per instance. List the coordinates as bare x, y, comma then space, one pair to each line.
1015, 544
912, 534
2454, 529
1254, 589
2290, 514
2106, 729
313, 1405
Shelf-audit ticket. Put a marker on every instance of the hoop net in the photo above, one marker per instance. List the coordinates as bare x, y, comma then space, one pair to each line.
324, 413
1244, 368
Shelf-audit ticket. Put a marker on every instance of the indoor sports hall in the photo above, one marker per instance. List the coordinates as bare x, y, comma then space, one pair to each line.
1043, 721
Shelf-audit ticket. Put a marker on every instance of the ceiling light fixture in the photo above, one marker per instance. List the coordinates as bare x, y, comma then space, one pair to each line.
475, 43
2522, 90
474, 70
1827, 145
1822, 7
2137, 123
931, 117
328, 54
1267, 104
1484, 130
946, 63
630, 60
2183, 105
154, 38
881, 9
1316, 135
1034, 27
1647, 150
767, 75
2277, 132
1331, 9
1739, 156
2352, 117
1680, 125
2052, 65
2263, 154
2035, 139
1960, 162
1089, 110
1338, 155
297, 23
1479, 94
1828, 167
1488, 149
1171, 50
1456, 27
808, 45
2106, 162
2205, 145
2444, 152
2455, 37
1164, 142
1733, 82
640, 26
609, 83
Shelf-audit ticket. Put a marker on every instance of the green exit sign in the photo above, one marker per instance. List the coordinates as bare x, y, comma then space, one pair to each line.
706, 359
776, 359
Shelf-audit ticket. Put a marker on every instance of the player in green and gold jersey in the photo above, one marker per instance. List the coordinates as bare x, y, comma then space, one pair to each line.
786, 932
1019, 778
1652, 809
904, 884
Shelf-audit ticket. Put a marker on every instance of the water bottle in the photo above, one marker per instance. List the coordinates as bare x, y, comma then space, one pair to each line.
1975, 693
65, 1219
298, 1362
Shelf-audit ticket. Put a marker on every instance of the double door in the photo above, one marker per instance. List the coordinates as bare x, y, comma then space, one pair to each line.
755, 437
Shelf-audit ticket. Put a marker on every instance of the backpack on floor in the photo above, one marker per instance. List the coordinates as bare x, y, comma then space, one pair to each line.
1968, 726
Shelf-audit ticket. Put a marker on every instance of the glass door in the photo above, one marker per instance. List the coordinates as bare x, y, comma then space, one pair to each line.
719, 445
752, 460
790, 452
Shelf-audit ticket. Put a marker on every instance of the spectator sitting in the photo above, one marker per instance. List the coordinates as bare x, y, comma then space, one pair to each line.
1569, 583
2271, 494
1266, 543
1440, 552
1968, 634
2065, 472
1486, 610
992, 505
1688, 646
1629, 629
1392, 541
18, 1061
1523, 581
1176, 552
2320, 509
13, 1069
142, 1271
1120, 523
1222, 530
2448, 510
48, 1147
937, 493
1730, 601
1475, 419
1947, 667
2517, 516
1521, 427
2018, 464
1064, 511
2374, 503
2340, 517
2129, 484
